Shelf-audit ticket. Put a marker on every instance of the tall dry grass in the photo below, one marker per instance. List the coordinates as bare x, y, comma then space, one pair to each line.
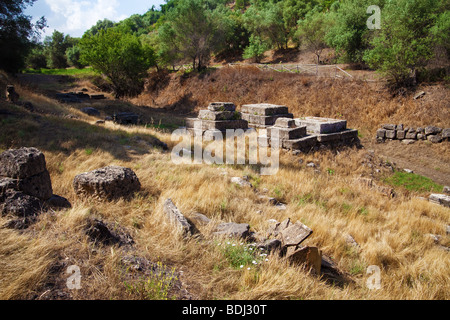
392, 233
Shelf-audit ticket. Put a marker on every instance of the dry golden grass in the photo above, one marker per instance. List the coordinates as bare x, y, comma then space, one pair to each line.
392, 233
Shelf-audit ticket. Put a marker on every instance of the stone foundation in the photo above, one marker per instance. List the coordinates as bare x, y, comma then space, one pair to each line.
411, 134
274, 121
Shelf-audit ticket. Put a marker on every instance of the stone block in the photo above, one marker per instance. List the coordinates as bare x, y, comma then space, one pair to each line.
349, 134
222, 125
321, 125
329, 137
221, 106
287, 133
401, 134
434, 138
264, 109
390, 134
285, 123
432, 130
446, 133
411, 135
381, 133
310, 256
298, 144
177, 219
264, 120
21, 163
295, 234
441, 199
389, 126
218, 115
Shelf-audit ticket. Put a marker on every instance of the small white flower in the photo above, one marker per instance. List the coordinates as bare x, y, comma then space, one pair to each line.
248, 268
254, 262
267, 259
233, 245
228, 242
242, 266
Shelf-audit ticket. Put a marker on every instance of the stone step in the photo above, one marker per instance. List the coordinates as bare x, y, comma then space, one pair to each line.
264, 109
222, 125
321, 125
264, 120
287, 133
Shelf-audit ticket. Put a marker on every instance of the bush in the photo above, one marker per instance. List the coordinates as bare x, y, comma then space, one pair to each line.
122, 58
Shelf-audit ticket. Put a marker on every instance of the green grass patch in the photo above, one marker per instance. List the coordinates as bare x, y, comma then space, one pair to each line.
242, 255
413, 182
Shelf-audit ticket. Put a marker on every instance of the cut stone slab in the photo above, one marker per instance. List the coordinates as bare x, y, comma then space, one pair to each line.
231, 229
200, 218
401, 134
302, 143
330, 137
90, 111
441, 199
21, 163
264, 109
126, 118
321, 125
390, 134
264, 120
177, 218
295, 234
218, 115
287, 133
310, 256
411, 135
221, 106
107, 183
222, 125
381, 133
389, 126
446, 133
285, 123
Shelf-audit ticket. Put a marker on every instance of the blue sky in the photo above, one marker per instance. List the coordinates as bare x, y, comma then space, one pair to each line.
74, 17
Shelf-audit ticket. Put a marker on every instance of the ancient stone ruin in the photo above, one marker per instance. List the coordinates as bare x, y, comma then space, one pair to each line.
25, 186
219, 117
305, 134
264, 115
411, 134
107, 183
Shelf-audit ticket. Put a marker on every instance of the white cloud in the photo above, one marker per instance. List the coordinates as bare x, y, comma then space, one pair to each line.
76, 16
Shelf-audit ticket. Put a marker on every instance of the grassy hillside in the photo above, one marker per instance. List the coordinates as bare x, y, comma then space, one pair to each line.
392, 233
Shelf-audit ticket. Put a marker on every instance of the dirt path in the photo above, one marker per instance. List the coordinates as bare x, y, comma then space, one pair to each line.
432, 161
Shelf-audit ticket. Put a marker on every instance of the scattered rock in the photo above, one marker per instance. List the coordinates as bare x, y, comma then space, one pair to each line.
27, 168
19, 204
408, 141
99, 231
126, 118
441, 199
310, 256
241, 182
107, 183
269, 245
446, 190
177, 218
351, 241
419, 95
295, 234
389, 126
200, 218
11, 94
432, 130
90, 111
231, 229
434, 138
408, 170
58, 202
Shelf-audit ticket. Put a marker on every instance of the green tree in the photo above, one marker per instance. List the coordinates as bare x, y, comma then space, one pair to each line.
56, 47
100, 25
312, 31
73, 55
255, 49
265, 20
404, 44
17, 34
349, 34
192, 31
293, 11
121, 57
37, 58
